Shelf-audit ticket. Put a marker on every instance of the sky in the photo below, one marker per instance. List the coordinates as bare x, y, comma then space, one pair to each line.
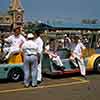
52, 9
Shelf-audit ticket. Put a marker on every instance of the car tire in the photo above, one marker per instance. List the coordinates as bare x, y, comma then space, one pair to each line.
97, 65
15, 74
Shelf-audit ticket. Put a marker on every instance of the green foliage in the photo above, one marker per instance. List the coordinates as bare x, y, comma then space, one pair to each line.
31, 27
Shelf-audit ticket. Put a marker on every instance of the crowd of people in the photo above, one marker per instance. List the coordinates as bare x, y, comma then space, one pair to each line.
31, 45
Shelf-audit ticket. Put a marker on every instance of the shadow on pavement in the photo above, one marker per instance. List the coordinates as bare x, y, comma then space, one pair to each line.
67, 75
3, 81
51, 77
7, 81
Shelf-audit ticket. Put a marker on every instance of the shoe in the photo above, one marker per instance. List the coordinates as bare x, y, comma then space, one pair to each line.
26, 85
5, 58
84, 77
34, 85
62, 68
39, 82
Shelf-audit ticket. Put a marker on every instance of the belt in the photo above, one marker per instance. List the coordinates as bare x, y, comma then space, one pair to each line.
31, 54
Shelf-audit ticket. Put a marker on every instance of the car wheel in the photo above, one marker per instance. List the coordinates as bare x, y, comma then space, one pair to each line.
97, 65
15, 74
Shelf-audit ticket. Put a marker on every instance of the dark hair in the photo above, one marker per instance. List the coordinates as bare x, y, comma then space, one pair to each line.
52, 39
76, 38
17, 28
38, 32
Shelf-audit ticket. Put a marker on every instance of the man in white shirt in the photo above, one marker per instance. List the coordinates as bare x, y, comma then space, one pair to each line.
31, 56
39, 42
15, 41
77, 54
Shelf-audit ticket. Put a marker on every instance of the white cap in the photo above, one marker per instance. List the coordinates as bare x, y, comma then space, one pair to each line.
65, 35
30, 35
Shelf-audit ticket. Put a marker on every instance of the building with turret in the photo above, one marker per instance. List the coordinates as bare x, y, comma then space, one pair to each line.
13, 17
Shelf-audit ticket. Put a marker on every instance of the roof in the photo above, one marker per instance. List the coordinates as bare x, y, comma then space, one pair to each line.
74, 25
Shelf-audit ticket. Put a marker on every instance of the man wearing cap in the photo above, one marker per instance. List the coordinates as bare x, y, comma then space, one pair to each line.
31, 54
16, 40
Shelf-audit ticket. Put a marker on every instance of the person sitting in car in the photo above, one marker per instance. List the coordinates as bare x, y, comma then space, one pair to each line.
51, 50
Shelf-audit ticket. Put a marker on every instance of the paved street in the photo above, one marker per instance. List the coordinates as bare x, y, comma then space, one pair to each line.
67, 88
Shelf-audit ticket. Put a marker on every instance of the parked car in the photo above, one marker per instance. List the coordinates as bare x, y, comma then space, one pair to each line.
92, 63
91, 57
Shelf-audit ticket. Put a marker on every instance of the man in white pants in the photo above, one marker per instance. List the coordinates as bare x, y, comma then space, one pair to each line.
39, 42
30, 50
77, 53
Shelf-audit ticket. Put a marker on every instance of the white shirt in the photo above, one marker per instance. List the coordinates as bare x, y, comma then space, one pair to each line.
51, 52
39, 42
47, 47
30, 47
78, 49
15, 41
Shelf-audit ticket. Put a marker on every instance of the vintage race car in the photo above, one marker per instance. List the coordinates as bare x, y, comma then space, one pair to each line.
92, 63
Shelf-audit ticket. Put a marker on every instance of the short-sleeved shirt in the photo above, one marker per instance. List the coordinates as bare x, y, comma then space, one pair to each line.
78, 49
15, 41
39, 42
30, 47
